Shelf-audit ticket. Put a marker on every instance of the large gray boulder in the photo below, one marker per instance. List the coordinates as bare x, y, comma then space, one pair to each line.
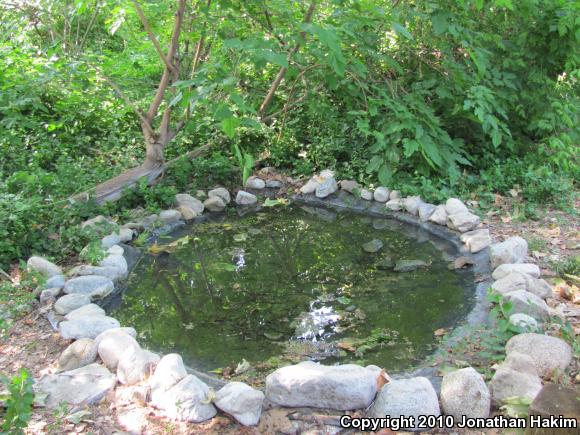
512, 250
515, 377
83, 386
406, 398
395, 204
68, 303
215, 204
255, 183
366, 194
412, 204
169, 371
94, 286
462, 222
425, 211
241, 401
88, 310
349, 185
221, 193
117, 262
55, 281
49, 295
78, 354
169, 216
136, 366
189, 202
524, 322
114, 345
476, 240
551, 355
519, 281
464, 392
188, 400
325, 188
245, 198
439, 215
87, 327
528, 303
504, 270
340, 387
43, 266
381, 194
113, 273
454, 206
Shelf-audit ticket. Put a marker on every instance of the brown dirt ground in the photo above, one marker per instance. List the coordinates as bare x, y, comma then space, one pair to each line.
31, 343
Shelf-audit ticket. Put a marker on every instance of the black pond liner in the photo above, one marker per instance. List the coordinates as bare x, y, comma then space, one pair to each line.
343, 201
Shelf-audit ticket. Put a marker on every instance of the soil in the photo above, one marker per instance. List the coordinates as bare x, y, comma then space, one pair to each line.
31, 343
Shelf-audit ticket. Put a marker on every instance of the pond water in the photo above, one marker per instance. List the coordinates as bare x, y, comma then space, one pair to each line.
289, 283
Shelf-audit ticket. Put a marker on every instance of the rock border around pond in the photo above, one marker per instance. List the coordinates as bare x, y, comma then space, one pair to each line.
164, 382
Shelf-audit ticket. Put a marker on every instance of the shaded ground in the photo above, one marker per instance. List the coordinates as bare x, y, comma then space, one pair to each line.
31, 343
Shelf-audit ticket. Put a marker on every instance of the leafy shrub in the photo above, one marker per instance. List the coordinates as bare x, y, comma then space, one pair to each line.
18, 402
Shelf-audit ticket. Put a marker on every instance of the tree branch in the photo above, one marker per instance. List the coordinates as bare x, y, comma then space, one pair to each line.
168, 63
282, 72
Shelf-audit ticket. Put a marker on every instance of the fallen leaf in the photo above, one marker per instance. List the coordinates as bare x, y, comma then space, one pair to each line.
382, 379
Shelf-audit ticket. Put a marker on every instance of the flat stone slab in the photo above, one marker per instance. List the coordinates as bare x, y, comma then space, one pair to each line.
341, 387
86, 327
83, 386
68, 303
557, 400
95, 286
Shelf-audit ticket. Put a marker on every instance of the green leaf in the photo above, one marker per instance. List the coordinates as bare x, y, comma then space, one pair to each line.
385, 175
229, 126
402, 30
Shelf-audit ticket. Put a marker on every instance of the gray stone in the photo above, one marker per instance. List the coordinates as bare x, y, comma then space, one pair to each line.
463, 392
507, 383
110, 241
79, 354
87, 327
409, 265
187, 213
557, 400
189, 202
411, 204
125, 234
349, 185
49, 295
68, 303
113, 344
215, 204
111, 273
169, 216
551, 355
512, 282
309, 187
98, 221
406, 397
539, 287
462, 222
255, 183
274, 184
150, 221
241, 401
373, 246
439, 216
221, 193
366, 194
117, 262
381, 194
425, 211
454, 206
340, 387
188, 400
503, 270
56, 281
395, 194
528, 303
169, 371
327, 187
136, 365
524, 322
115, 250
245, 198
395, 204
513, 250
476, 240
83, 386
89, 310
43, 267
97, 287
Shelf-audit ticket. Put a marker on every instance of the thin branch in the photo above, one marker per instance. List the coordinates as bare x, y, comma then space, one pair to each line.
151, 36
89, 27
282, 72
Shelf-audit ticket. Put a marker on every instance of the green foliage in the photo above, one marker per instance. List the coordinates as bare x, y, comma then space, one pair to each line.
18, 402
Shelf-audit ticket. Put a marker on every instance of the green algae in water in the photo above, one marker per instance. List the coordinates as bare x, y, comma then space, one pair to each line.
295, 283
